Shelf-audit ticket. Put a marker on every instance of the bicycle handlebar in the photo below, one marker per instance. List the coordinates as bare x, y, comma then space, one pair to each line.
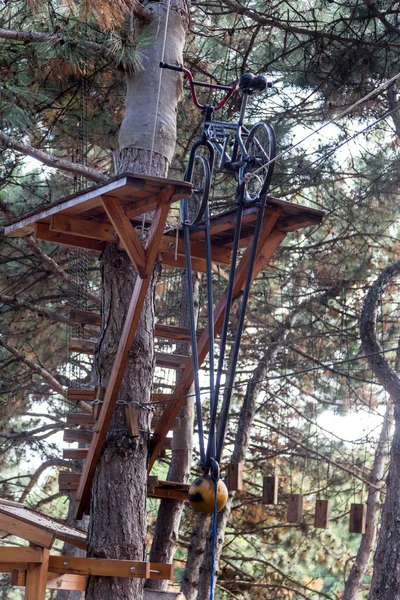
230, 89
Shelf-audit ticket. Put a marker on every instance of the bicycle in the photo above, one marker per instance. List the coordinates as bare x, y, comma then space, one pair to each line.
252, 162
253, 151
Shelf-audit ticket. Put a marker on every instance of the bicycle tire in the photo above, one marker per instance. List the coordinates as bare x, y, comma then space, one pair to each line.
193, 208
260, 145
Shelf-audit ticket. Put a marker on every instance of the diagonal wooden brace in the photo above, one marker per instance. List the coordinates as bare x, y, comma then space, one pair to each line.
121, 357
270, 240
126, 233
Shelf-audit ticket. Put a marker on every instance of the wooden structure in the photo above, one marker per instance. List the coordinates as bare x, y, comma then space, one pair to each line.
295, 508
358, 515
109, 213
35, 568
322, 514
270, 489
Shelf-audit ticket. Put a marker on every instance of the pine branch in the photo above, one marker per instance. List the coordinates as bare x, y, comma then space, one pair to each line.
54, 268
89, 47
52, 381
264, 21
40, 310
50, 160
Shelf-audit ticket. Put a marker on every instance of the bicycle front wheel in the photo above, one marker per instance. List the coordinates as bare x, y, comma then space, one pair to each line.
261, 147
193, 208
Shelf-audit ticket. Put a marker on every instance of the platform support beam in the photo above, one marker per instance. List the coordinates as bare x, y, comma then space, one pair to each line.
36, 577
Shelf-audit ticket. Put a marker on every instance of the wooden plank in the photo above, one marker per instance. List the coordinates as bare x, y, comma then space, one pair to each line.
27, 531
358, 514
132, 421
222, 223
75, 453
295, 508
80, 419
168, 259
13, 556
87, 228
81, 345
235, 477
322, 514
269, 241
68, 482
124, 185
36, 578
76, 394
171, 361
219, 255
161, 571
159, 492
126, 233
77, 435
102, 567
44, 523
121, 358
85, 317
43, 232
76, 583
173, 333
270, 490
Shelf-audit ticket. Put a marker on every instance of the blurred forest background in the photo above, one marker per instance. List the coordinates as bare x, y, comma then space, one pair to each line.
319, 411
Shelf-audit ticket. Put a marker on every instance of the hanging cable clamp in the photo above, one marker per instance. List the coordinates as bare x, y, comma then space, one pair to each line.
215, 469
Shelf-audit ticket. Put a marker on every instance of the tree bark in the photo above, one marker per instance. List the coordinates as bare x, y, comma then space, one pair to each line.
169, 515
118, 501
359, 568
386, 577
197, 576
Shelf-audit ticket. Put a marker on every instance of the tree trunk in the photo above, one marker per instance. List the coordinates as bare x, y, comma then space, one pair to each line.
170, 511
386, 578
118, 500
197, 575
359, 568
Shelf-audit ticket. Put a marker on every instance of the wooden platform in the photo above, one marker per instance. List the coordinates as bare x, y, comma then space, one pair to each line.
34, 568
37, 528
113, 213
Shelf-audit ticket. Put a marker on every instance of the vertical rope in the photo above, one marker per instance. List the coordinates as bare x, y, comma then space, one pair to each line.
213, 540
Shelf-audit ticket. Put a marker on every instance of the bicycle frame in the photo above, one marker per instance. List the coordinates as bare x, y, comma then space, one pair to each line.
210, 140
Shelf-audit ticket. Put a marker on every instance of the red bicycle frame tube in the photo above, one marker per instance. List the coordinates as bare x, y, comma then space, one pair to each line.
230, 93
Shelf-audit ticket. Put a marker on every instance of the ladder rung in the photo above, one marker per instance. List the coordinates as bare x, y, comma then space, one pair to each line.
68, 482
77, 435
79, 419
81, 345
85, 317
171, 361
75, 453
85, 395
174, 333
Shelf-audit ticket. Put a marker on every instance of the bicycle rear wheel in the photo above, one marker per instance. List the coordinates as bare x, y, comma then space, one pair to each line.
261, 147
193, 208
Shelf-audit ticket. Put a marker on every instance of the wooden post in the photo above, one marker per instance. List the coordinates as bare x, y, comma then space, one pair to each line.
270, 490
322, 514
235, 477
36, 578
131, 416
358, 514
295, 508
